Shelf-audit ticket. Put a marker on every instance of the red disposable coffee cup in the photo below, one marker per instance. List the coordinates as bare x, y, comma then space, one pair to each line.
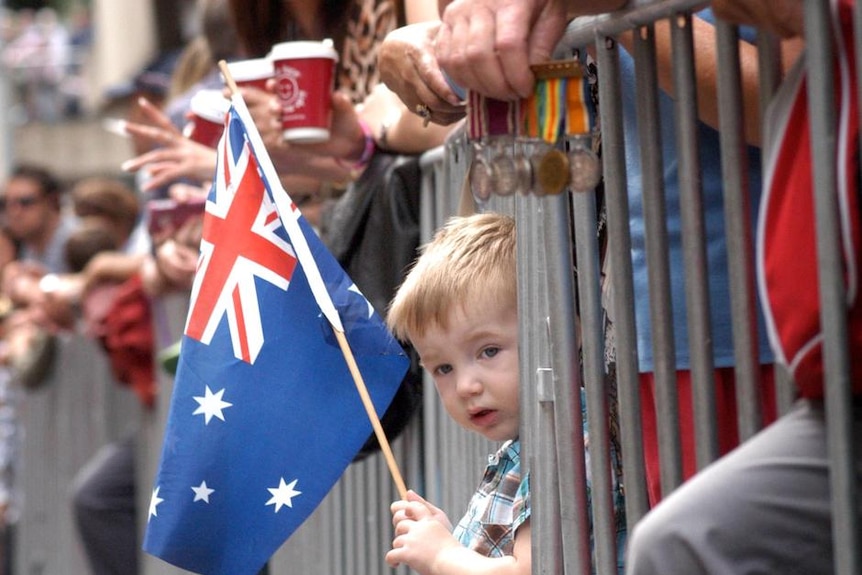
206, 124
304, 73
254, 72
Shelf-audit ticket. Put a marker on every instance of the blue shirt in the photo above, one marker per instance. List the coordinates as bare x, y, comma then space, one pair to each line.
713, 205
499, 506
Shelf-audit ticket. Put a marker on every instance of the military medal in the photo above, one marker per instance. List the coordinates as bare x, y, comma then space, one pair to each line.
552, 172
504, 176
490, 125
560, 104
585, 168
523, 172
543, 113
480, 177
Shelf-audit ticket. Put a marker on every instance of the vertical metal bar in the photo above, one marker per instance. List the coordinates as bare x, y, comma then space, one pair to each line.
555, 229
536, 400
694, 241
785, 389
769, 69
770, 72
592, 342
333, 519
734, 168
661, 307
376, 480
622, 302
564, 359
769, 78
352, 549
433, 182
833, 296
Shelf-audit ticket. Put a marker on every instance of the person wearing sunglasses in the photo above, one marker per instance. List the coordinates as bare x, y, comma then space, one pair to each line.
30, 204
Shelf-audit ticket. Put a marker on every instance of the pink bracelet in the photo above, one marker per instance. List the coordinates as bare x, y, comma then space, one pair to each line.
367, 153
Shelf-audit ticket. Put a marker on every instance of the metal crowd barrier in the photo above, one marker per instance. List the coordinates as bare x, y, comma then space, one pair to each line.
598, 35
351, 531
76, 410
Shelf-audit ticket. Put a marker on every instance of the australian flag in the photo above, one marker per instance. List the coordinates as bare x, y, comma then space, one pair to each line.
265, 416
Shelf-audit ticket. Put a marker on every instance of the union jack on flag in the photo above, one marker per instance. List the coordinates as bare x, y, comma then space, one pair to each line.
241, 210
264, 415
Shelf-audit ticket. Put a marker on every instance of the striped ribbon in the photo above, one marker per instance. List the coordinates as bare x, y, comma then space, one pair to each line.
560, 103
580, 111
490, 117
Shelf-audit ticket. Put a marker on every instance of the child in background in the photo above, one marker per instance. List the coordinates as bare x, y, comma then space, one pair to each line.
458, 306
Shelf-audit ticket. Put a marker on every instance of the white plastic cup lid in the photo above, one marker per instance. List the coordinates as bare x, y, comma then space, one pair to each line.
210, 105
303, 49
248, 70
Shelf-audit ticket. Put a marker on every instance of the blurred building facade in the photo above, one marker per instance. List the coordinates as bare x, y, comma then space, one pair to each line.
126, 36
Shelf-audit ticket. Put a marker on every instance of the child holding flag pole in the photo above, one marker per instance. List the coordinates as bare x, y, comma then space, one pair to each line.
458, 306
264, 363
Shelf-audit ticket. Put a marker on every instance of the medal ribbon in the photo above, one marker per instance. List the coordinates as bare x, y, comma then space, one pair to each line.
580, 111
560, 102
490, 117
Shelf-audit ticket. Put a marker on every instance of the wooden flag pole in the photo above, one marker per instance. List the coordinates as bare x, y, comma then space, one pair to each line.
350, 359
372, 413
228, 79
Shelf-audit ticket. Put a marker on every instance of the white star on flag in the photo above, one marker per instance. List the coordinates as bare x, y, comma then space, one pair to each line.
355, 289
283, 494
154, 502
202, 492
211, 405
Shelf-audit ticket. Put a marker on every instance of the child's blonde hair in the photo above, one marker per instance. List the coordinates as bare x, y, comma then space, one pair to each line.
470, 259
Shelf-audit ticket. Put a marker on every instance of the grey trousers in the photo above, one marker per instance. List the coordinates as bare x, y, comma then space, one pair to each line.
105, 510
763, 508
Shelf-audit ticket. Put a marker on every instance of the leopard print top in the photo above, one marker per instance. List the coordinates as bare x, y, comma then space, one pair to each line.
370, 22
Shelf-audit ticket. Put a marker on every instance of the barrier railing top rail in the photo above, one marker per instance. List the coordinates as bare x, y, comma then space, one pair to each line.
582, 31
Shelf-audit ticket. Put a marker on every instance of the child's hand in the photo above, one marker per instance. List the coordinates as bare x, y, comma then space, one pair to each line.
422, 542
416, 508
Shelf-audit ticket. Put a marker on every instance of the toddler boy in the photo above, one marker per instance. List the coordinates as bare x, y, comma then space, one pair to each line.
458, 307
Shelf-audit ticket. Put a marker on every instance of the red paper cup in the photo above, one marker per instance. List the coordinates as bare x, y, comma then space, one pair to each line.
305, 77
206, 125
254, 72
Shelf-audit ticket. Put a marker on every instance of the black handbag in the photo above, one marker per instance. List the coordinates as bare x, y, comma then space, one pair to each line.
373, 232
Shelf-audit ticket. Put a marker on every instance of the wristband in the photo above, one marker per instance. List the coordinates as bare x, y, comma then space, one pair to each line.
367, 152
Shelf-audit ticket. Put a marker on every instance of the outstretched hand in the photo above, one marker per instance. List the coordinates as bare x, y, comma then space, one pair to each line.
173, 156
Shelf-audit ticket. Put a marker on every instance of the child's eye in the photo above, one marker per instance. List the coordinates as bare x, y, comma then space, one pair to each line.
443, 369
490, 351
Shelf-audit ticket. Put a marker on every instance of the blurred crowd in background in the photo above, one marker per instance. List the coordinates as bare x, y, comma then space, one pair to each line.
86, 255
46, 57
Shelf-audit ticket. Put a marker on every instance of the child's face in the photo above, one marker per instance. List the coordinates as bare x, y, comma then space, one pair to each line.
474, 363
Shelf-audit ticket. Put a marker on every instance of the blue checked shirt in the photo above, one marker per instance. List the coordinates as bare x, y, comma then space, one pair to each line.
499, 506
